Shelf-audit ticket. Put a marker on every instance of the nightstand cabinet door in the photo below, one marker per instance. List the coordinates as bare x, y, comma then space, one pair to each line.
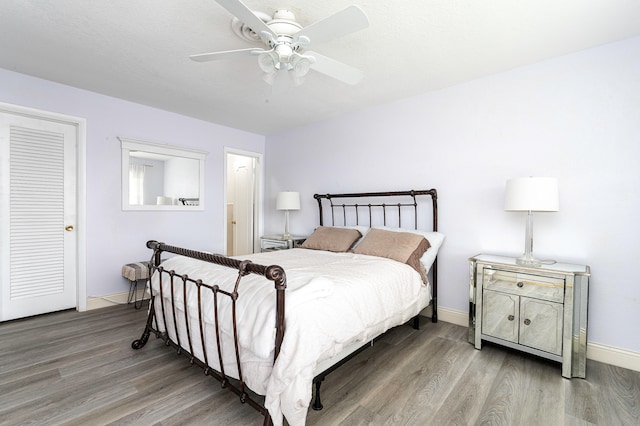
541, 325
500, 313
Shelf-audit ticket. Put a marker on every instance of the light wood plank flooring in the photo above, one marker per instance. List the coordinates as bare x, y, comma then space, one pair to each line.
79, 369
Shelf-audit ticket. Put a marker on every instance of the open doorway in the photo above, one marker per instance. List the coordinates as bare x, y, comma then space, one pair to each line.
242, 192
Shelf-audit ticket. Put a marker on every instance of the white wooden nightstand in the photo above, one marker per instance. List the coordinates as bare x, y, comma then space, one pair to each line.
539, 310
278, 242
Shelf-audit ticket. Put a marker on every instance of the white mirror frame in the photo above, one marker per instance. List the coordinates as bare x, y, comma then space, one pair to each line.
128, 145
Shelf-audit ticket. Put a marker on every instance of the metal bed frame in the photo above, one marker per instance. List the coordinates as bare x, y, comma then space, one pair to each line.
273, 273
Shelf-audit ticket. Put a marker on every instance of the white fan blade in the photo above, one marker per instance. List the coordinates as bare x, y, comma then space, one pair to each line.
347, 21
246, 15
225, 54
338, 70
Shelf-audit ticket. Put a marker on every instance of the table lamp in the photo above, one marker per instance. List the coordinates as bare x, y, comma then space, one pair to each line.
531, 194
287, 201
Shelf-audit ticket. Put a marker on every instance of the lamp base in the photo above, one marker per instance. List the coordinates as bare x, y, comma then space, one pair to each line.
286, 235
527, 258
528, 261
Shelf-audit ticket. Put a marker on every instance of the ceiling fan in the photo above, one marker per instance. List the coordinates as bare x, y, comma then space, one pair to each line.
284, 56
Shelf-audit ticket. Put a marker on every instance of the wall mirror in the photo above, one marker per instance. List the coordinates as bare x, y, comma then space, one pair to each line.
161, 177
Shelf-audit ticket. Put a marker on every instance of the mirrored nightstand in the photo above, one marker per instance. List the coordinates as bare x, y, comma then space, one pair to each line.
540, 310
278, 242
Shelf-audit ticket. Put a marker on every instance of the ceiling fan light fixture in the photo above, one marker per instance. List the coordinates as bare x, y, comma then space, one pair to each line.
297, 80
268, 62
269, 77
281, 81
301, 65
284, 51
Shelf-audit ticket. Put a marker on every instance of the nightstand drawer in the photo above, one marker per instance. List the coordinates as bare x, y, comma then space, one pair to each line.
536, 286
278, 242
268, 245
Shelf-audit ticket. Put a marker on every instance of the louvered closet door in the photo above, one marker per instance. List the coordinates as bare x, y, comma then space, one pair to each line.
38, 216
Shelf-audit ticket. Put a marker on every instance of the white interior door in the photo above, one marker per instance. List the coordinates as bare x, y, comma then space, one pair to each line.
38, 216
242, 191
243, 211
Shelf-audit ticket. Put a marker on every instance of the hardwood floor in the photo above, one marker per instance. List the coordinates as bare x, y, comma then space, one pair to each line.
79, 369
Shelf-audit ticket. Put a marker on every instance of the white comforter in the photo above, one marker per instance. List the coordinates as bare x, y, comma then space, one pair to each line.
332, 299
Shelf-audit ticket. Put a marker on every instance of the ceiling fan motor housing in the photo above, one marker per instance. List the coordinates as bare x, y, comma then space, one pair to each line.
285, 26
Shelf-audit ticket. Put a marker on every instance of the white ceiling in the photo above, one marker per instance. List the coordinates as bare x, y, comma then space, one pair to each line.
139, 50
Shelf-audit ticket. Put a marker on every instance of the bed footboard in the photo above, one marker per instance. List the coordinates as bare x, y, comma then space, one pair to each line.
194, 343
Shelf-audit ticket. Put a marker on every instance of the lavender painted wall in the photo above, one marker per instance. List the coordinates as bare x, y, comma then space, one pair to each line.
116, 237
576, 118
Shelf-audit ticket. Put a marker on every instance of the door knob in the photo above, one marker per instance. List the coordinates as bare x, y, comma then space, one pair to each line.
68, 228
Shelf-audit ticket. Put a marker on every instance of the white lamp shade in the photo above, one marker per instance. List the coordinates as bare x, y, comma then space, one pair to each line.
532, 194
288, 201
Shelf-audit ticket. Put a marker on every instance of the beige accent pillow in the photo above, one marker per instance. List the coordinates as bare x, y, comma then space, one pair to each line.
404, 247
332, 239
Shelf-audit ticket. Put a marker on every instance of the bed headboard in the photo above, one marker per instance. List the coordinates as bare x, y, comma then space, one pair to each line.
378, 208
404, 209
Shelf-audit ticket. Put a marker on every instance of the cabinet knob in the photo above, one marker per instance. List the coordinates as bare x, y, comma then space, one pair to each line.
520, 284
511, 317
527, 321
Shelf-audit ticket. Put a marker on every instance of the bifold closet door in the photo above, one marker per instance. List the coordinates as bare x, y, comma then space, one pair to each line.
38, 216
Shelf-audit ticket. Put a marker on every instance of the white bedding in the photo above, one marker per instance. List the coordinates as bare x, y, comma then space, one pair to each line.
332, 300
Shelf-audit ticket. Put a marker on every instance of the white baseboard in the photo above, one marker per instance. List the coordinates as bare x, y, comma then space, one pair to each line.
614, 356
111, 299
454, 317
595, 351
